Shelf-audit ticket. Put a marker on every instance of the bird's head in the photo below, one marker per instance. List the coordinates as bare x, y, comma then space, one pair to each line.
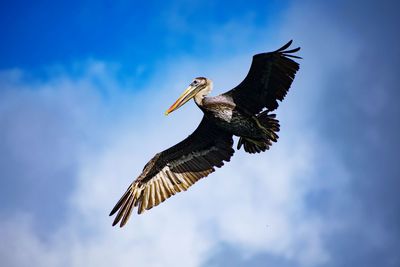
200, 86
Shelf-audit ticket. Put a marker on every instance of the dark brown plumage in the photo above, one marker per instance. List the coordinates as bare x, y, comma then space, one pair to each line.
242, 111
268, 80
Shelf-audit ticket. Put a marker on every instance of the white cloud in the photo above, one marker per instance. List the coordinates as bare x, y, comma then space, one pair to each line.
255, 202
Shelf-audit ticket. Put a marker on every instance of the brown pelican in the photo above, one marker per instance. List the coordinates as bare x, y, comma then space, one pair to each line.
243, 111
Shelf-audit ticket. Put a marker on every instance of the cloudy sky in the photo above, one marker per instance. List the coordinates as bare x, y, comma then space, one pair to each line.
83, 88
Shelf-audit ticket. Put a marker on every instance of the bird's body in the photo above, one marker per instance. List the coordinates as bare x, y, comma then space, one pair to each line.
225, 114
243, 111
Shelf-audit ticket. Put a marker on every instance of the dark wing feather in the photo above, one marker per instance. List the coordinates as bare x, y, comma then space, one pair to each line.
176, 169
269, 79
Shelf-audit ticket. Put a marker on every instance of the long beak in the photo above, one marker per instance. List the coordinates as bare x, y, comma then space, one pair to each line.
188, 94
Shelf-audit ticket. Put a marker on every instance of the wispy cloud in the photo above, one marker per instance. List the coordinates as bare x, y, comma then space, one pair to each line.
254, 202
72, 140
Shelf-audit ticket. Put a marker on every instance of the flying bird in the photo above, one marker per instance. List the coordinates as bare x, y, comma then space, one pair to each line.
243, 111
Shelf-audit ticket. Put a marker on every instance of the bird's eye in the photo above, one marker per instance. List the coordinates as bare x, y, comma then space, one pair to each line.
195, 82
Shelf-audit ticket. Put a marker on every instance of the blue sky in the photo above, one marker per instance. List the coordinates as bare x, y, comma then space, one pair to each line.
83, 88
131, 33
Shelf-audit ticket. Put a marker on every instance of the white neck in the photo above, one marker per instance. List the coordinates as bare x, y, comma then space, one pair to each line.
198, 98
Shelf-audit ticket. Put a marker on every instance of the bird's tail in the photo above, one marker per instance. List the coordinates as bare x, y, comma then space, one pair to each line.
270, 126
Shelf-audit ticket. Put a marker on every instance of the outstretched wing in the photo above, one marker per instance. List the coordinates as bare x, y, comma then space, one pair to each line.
176, 169
268, 80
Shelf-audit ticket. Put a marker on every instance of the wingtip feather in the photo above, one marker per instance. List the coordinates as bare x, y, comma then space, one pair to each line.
285, 46
294, 50
120, 202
